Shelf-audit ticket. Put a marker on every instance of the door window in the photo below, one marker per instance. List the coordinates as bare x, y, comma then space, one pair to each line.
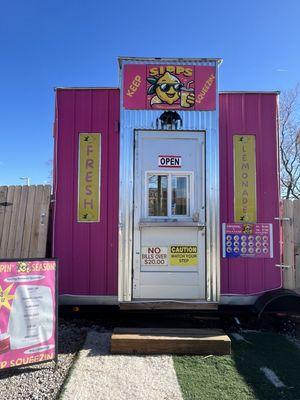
168, 195
157, 195
180, 190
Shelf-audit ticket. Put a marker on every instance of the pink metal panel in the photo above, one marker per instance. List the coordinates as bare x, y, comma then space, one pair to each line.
250, 113
87, 252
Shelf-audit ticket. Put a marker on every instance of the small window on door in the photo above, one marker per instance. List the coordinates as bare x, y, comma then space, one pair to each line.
158, 195
168, 195
180, 200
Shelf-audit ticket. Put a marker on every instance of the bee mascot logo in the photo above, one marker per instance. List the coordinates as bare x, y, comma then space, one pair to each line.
23, 267
170, 89
248, 229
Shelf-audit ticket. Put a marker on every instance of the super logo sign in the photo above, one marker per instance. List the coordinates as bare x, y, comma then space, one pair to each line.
173, 87
170, 87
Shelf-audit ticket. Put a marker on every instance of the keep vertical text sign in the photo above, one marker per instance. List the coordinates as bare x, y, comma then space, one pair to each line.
89, 177
244, 178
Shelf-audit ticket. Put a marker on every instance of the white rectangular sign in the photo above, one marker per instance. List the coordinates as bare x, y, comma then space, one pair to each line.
31, 319
154, 255
169, 161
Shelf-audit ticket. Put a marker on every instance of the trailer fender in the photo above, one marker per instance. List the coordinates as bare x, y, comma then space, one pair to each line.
280, 300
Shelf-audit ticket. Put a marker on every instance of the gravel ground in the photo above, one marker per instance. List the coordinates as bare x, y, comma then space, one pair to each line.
97, 375
44, 381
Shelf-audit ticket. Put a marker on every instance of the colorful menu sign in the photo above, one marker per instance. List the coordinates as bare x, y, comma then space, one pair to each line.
244, 178
247, 240
169, 87
28, 312
89, 177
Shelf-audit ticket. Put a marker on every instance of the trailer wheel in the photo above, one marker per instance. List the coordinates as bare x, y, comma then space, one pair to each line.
286, 326
278, 301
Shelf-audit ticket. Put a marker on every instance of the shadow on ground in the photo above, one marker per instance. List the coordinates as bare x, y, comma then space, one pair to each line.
239, 376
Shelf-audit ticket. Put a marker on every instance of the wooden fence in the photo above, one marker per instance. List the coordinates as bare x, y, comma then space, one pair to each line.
24, 215
291, 243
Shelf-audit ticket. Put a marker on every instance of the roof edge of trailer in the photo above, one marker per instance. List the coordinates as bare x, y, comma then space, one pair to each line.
169, 59
249, 91
84, 87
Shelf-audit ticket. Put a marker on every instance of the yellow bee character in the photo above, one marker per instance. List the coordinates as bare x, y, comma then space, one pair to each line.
168, 90
248, 229
23, 267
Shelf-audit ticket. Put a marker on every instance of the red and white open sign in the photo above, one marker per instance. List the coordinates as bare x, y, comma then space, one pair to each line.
169, 161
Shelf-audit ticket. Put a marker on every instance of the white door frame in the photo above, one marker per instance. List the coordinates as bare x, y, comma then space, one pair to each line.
140, 203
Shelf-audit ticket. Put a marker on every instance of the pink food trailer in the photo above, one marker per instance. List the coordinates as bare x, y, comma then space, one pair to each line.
166, 191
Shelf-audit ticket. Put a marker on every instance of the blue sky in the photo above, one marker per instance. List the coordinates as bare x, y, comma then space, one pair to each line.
76, 43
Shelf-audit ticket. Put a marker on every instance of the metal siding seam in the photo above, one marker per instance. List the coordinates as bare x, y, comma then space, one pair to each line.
245, 131
278, 176
108, 138
89, 225
74, 184
55, 174
217, 269
229, 181
227, 186
260, 210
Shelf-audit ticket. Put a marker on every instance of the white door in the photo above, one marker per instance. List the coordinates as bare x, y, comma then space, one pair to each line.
169, 215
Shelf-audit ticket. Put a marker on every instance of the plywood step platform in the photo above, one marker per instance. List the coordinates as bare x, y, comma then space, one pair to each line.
170, 341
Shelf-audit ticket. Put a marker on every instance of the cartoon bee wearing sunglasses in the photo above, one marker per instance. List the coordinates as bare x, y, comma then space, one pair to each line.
248, 229
168, 90
23, 267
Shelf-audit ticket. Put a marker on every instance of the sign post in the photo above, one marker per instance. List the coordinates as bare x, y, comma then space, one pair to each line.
28, 312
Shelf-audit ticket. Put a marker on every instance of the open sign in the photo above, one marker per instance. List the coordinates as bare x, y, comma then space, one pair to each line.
169, 161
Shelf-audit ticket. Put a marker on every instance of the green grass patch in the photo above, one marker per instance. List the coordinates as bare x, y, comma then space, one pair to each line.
238, 376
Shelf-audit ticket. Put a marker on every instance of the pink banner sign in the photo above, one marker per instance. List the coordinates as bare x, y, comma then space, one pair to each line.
169, 87
28, 314
248, 240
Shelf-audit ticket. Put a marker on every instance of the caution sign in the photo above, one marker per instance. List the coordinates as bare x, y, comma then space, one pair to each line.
154, 255
184, 256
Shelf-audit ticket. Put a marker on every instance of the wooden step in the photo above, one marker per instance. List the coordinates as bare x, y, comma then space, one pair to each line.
170, 341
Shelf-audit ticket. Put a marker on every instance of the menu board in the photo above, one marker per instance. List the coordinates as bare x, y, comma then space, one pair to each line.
28, 312
247, 240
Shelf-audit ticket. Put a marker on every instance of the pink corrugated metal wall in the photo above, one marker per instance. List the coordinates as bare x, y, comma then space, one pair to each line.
87, 252
250, 113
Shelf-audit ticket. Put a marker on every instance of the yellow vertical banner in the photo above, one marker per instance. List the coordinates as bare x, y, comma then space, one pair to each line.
89, 162
244, 178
